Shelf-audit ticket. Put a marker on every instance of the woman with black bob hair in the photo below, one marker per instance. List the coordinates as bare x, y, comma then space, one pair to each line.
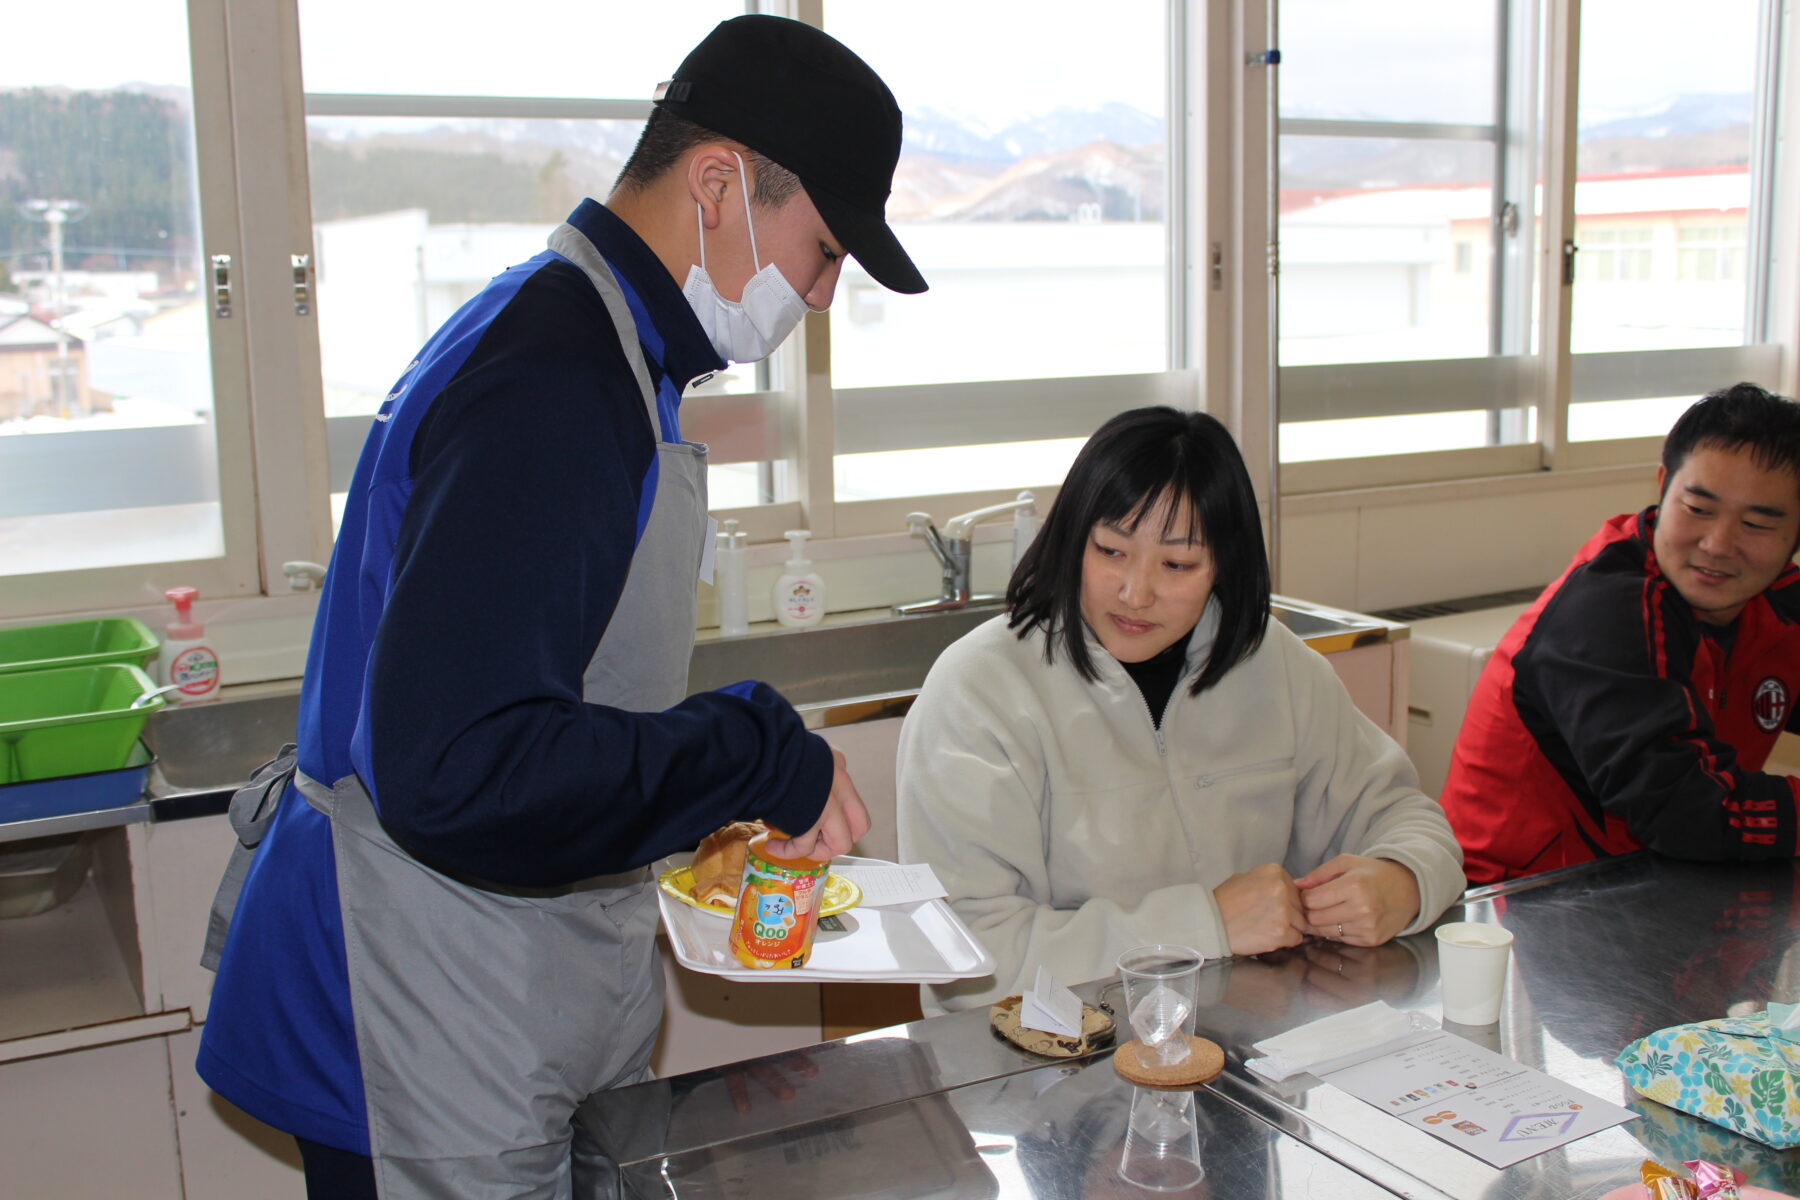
1127, 470
1135, 753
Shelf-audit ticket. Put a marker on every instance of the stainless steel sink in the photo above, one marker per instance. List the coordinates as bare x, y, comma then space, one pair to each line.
881, 655
203, 747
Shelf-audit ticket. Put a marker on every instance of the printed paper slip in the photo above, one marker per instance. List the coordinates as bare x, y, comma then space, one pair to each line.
1499, 1110
885, 885
1051, 1007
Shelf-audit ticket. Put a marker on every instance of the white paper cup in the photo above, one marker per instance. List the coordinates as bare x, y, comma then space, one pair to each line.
1472, 970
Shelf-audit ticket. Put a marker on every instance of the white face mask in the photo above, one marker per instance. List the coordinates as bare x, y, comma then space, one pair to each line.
747, 330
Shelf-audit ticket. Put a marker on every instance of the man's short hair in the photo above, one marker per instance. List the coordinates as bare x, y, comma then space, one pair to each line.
667, 137
1742, 416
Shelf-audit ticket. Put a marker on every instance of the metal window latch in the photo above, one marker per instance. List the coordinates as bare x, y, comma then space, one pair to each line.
1217, 267
1569, 249
302, 285
221, 285
1509, 219
1263, 58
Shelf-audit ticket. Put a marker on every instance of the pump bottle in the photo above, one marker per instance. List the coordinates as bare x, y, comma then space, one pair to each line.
799, 595
728, 568
187, 659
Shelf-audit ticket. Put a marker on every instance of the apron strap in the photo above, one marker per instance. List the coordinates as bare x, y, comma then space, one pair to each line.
252, 808
574, 245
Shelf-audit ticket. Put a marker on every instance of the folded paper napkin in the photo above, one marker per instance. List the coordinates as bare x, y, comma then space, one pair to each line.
1341, 1035
1739, 1072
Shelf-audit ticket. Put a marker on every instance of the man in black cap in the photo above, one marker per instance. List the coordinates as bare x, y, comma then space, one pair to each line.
445, 939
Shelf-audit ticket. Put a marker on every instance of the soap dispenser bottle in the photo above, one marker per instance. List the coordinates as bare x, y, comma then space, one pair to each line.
187, 661
799, 595
734, 604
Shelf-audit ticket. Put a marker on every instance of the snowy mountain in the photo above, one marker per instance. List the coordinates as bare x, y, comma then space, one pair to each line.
930, 131
1683, 115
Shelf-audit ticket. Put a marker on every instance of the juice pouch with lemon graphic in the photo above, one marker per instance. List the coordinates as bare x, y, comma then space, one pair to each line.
778, 907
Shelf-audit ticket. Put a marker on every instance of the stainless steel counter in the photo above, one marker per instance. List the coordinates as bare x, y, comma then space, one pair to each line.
937, 1108
941, 1108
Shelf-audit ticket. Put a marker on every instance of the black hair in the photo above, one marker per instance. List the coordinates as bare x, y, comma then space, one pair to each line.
1128, 466
1742, 416
666, 137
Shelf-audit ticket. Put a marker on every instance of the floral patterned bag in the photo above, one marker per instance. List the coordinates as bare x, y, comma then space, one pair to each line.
1739, 1072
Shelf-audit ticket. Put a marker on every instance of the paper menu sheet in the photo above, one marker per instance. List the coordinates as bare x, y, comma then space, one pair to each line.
1499, 1110
883, 884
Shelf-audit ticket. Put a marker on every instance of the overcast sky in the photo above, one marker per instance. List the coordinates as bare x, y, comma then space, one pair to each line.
989, 60
1431, 59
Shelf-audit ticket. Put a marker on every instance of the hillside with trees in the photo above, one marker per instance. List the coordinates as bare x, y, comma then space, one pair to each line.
121, 154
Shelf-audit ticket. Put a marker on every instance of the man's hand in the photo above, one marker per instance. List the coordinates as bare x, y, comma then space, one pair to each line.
779, 1085
1261, 909
843, 821
1361, 901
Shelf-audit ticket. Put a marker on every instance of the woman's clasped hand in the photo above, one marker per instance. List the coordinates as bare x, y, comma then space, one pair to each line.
1351, 899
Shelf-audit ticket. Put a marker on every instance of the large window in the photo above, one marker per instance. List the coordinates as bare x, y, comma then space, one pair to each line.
1430, 244
1403, 171
1033, 194
1417, 142
111, 437
428, 179
1668, 164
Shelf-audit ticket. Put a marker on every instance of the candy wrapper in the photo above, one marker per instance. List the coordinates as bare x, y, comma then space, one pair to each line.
1739, 1072
1664, 1184
1713, 1181
1710, 1181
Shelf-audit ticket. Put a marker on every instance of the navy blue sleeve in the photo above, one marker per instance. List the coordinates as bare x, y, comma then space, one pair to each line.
510, 560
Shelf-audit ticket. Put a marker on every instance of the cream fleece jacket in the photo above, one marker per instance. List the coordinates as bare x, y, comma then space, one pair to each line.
1067, 829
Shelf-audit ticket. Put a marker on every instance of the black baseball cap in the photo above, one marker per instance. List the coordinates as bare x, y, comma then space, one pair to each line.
799, 97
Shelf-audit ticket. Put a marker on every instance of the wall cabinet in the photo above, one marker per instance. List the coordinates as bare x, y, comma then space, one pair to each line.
99, 1002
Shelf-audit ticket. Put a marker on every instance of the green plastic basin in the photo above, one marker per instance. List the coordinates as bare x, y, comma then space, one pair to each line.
77, 644
70, 720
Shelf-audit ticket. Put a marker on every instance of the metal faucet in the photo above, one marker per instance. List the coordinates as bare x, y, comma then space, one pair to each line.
952, 547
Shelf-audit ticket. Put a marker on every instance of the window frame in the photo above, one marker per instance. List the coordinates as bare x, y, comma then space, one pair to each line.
274, 440
840, 421
241, 163
1553, 378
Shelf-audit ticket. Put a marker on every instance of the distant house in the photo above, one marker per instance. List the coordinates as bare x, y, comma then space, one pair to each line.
29, 366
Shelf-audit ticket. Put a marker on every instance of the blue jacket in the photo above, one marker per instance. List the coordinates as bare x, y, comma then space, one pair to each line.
487, 535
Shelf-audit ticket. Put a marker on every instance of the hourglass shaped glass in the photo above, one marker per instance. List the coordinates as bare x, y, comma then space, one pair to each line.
1161, 993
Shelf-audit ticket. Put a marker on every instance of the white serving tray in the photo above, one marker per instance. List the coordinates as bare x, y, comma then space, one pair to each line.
921, 942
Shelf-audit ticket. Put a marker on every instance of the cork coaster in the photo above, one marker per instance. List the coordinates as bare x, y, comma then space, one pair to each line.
1204, 1062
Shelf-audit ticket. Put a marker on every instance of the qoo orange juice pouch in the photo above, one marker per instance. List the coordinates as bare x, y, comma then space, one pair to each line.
778, 907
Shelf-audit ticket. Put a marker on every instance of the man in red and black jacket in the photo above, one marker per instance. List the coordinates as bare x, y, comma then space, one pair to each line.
1635, 703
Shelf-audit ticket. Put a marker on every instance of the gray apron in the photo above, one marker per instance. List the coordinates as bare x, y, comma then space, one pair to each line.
485, 1015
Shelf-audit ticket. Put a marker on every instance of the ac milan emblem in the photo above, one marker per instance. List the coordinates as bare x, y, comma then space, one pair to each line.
1770, 704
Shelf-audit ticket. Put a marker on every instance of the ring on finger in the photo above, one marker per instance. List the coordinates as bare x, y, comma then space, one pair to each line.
1340, 935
